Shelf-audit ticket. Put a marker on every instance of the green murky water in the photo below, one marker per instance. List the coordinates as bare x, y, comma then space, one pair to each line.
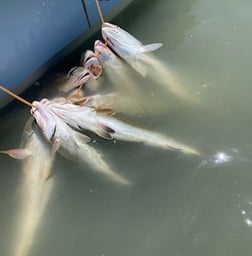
177, 204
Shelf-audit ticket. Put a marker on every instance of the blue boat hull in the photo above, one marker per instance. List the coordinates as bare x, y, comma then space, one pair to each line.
35, 35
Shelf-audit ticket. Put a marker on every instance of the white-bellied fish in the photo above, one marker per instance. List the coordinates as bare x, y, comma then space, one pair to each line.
108, 127
139, 57
76, 77
127, 46
129, 99
35, 186
70, 143
90, 61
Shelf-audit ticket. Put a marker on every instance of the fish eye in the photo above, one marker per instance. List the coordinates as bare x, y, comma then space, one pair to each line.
71, 72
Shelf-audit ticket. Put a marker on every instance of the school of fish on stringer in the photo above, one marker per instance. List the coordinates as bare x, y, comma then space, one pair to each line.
59, 124
63, 121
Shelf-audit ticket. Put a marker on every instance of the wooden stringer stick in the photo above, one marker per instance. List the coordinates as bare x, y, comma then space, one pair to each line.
12, 94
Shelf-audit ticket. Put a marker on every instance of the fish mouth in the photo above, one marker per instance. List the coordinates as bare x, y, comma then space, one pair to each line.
89, 55
99, 43
34, 107
101, 48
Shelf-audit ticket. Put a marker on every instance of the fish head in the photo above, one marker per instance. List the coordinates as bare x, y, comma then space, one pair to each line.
75, 78
103, 52
91, 62
44, 118
87, 57
111, 34
122, 42
78, 75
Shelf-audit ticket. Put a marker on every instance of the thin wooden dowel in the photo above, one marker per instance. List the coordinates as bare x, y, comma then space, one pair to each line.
2, 88
99, 11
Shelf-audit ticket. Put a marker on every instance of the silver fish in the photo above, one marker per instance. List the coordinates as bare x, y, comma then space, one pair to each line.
91, 62
106, 56
34, 188
129, 99
139, 57
127, 46
76, 77
82, 117
69, 143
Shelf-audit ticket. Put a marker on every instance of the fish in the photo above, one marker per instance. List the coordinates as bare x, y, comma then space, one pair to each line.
90, 61
34, 188
129, 99
76, 77
33, 151
43, 130
140, 58
69, 143
108, 127
127, 46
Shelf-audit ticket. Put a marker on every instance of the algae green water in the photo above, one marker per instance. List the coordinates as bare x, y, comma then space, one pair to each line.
177, 204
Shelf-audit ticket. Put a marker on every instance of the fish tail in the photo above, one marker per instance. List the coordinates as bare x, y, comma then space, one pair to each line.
94, 159
174, 145
163, 142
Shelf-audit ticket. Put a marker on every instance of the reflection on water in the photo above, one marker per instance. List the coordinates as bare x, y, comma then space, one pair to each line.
177, 205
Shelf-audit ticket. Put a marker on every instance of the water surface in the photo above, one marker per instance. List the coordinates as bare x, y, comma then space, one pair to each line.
178, 204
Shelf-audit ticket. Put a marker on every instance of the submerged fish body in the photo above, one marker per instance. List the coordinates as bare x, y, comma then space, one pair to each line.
35, 152
34, 188
165, 77
136, 54
127, 46
81, 152
39, 163
127, 132
84, 118
123, 43
127, 98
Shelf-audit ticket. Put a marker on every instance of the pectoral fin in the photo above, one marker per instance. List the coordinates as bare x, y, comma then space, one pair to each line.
20, 153
83, 137
104, 131
56, 145
151, 47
